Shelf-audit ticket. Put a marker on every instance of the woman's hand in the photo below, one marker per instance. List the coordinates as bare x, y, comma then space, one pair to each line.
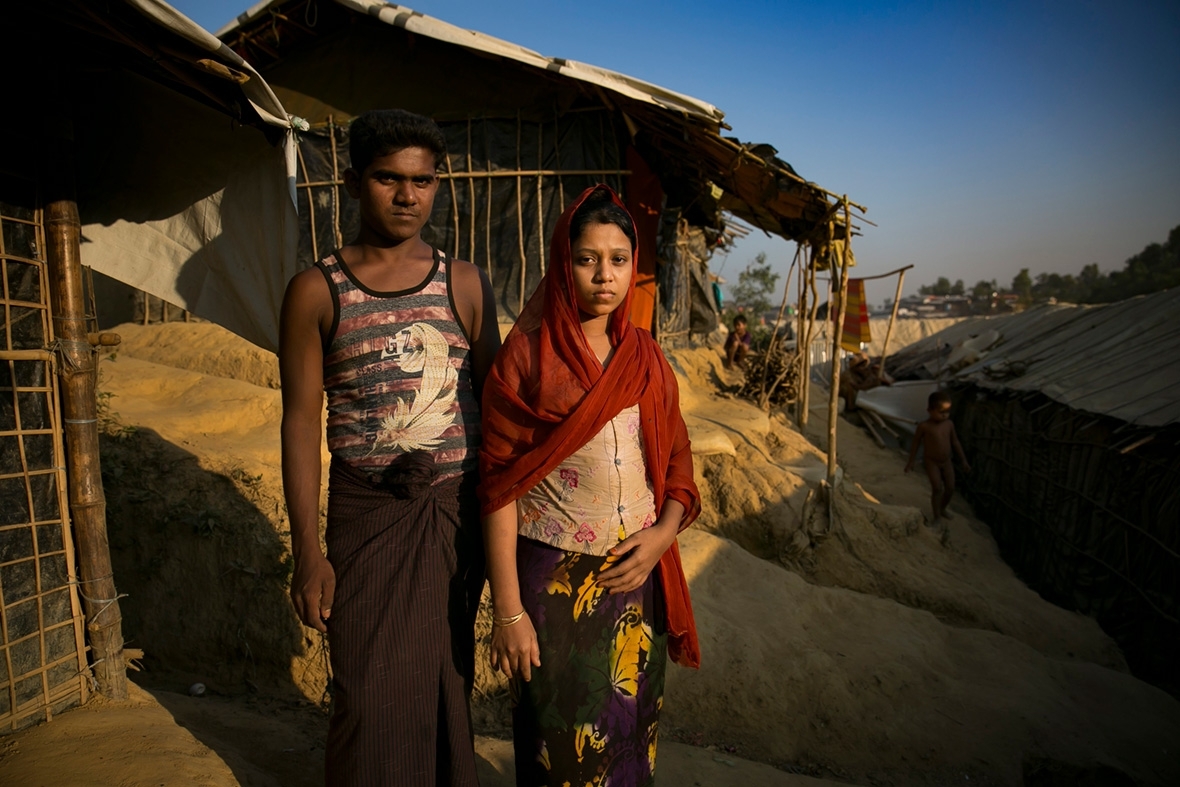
515, 650
639, 554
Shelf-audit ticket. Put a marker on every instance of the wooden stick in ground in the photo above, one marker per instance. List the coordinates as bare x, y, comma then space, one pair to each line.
811, 318
878, 420
764, 399
470, 199
104, 621
840, 260
873, 432
801, 349
889, 330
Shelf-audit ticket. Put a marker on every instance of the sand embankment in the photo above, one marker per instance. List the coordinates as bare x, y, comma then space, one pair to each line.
871, 648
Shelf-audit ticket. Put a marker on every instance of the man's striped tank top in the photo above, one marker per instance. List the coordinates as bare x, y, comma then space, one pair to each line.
397, 373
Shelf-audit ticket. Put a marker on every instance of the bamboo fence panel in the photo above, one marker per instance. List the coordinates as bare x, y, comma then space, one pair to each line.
42, 646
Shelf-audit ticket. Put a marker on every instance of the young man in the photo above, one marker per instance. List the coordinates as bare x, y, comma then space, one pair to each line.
737, 344
400, 337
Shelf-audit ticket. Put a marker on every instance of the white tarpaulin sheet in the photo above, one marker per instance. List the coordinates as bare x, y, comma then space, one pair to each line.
903, 402
179, 201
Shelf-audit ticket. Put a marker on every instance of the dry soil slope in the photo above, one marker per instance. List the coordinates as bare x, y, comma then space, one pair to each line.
854, 684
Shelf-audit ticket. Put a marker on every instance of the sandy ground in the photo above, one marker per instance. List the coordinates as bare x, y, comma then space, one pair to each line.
867, 647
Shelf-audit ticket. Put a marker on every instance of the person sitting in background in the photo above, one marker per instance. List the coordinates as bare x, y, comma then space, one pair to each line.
737, 344
861, 375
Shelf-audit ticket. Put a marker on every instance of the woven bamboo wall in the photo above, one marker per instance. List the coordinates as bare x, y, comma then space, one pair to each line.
1085, 508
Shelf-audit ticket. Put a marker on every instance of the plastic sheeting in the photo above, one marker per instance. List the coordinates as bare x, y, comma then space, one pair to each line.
182, 203
1115, 359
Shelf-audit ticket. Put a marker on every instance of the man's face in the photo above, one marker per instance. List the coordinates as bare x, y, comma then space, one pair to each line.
940, 412
396, 192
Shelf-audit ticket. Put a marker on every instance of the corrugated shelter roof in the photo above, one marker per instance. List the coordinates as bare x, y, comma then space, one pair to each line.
421, 24
1117, 359
747, 180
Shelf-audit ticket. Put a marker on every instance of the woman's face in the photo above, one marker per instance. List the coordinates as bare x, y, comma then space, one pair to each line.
602, 268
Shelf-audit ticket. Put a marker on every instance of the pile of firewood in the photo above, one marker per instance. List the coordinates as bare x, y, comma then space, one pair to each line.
772, 384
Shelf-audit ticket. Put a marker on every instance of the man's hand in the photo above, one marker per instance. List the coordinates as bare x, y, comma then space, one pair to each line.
312, 589
515, 650
639, 554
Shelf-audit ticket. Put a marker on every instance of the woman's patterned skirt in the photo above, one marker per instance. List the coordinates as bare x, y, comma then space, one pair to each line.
590, 714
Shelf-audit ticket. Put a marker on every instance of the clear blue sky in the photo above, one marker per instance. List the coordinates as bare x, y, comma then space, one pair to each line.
983, 137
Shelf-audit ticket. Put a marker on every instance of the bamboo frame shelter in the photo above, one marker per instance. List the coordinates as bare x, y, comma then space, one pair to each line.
1071, 418
56, 581
525, 132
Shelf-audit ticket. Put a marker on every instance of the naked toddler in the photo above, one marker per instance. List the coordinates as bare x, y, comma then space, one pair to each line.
937, 437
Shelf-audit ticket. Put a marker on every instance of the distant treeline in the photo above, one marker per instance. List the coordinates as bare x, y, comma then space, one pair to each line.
1155, 268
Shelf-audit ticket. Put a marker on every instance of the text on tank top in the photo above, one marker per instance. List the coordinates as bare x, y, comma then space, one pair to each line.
397, 373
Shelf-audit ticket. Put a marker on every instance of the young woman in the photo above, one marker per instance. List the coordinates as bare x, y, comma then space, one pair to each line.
586, 478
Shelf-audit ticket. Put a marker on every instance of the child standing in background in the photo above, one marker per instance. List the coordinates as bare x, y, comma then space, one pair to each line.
937, 437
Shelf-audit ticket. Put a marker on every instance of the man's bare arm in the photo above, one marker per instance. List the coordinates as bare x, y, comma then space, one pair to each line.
474, 290
301, 367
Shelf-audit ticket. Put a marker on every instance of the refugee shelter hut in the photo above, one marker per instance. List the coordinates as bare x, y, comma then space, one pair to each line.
1071, 418
525, 133
126, 127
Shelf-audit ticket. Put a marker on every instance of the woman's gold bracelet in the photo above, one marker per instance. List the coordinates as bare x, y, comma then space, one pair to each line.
508, 621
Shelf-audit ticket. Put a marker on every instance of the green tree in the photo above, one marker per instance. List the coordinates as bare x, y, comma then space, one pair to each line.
1022, 286
940, 287
982, 291
958, 288
754, 286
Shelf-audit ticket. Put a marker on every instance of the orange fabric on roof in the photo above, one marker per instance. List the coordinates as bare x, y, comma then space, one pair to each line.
645, 199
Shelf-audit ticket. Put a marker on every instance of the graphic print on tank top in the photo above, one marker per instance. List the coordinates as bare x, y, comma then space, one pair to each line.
418, 426
397, 372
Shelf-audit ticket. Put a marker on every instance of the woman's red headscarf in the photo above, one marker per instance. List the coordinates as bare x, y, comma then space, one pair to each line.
547, 396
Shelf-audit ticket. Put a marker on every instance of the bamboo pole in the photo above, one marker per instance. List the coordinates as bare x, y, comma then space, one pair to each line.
335, 189
498, 173
540, 200
104, 621
873, 432
488, 225
838, 330
470, 199
801, 346
557, 157
454, 206
768, 389
811, 318
520, 219
889, 330
315, 249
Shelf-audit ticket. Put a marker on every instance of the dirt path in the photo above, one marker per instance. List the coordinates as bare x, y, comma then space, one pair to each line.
163, 738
